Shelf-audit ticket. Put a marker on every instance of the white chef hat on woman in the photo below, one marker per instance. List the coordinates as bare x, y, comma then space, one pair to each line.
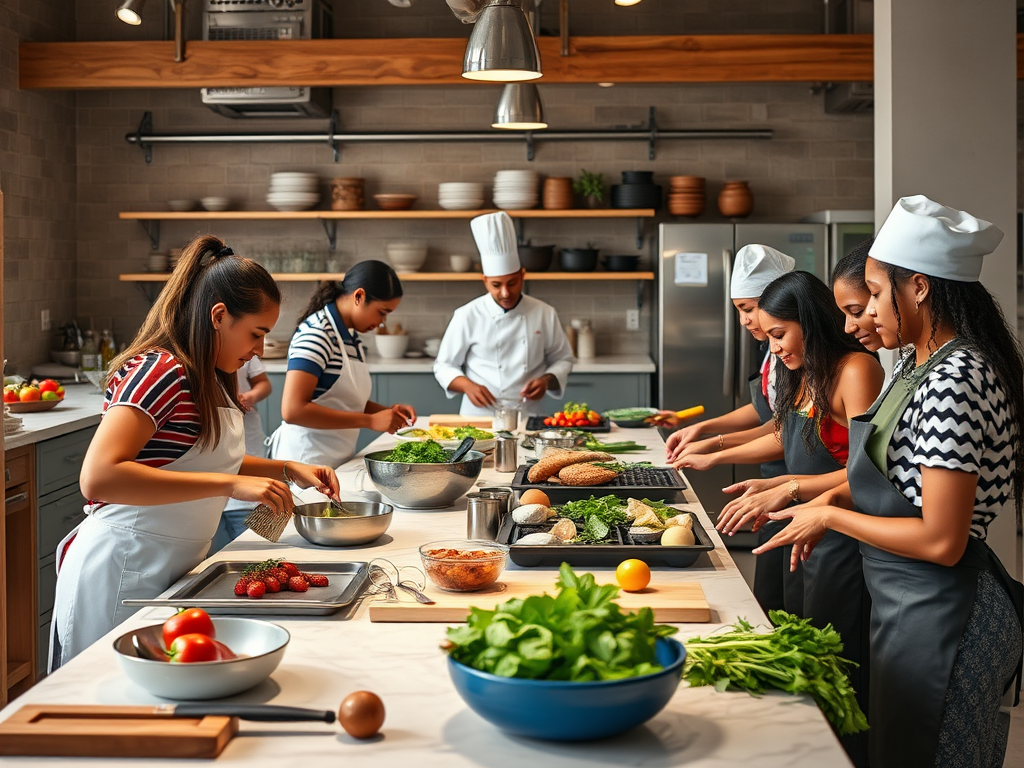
755, 267
933, 239
495, 237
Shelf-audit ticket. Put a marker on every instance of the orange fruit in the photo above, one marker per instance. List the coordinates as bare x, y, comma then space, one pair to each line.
534, 496
633, 575
29, 394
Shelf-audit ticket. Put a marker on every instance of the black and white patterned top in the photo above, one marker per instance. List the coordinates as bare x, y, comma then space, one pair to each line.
958, 419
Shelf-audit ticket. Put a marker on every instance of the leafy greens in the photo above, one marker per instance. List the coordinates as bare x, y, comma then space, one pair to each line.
423, 452
578, 635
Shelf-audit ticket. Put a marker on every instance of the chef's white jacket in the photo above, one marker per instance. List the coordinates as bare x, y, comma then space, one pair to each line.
503, 350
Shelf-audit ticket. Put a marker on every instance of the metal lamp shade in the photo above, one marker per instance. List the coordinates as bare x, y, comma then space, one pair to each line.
130, 12
519, 108
502, 47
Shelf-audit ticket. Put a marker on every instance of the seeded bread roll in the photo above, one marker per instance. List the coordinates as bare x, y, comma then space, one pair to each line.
586, 474
552, 463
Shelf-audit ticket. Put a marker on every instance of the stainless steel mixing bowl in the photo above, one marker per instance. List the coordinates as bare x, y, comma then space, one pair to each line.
369, 521
423, 486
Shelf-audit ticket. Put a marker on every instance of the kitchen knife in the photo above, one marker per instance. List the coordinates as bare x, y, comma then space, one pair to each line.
267, 713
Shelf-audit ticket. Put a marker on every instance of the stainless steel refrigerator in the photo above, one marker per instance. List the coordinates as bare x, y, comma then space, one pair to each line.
704, 355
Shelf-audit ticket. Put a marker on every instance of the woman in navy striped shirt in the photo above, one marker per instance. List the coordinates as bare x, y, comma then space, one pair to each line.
170, 448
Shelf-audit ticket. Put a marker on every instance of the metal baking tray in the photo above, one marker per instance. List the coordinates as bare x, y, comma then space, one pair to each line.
213, 590
553, 555
655, 483
535, 423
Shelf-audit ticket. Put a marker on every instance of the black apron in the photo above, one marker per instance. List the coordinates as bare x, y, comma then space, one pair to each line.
775, 587
918, 609
833, 582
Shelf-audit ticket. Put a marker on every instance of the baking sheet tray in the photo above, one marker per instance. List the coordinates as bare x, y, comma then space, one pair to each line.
213, 590
553, 555
655, 483
535, 423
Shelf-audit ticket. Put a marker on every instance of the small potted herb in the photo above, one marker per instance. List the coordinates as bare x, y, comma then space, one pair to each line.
590, 186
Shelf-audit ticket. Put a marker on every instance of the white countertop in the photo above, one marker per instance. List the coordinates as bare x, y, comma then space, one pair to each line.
81, 408
427, 723
603, 364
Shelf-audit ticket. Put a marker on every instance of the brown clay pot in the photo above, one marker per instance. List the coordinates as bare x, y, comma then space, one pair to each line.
735, 200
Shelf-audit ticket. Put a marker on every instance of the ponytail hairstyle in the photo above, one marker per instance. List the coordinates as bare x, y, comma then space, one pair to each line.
803, 298
208, 273
377, 279
977, 319
850, 268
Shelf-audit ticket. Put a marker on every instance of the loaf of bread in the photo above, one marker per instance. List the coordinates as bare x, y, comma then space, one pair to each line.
552, 463
586, 474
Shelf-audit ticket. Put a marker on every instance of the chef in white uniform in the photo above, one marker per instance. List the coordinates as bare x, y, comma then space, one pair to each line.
504, 345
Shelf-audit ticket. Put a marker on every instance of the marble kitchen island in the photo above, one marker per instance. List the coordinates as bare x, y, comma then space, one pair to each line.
427, 723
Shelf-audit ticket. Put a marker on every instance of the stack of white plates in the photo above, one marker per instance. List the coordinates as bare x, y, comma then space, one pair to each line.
516, 189
293, 191
460, 195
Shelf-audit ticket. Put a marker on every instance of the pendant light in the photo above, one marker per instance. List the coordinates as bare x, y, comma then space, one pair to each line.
501, 46
626, 2
130, 12
519, 108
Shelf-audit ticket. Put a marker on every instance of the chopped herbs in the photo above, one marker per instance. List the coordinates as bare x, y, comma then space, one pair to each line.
425, 452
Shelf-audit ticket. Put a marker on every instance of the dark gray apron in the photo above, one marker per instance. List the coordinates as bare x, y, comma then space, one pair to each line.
918, 609
775, 587
834, 591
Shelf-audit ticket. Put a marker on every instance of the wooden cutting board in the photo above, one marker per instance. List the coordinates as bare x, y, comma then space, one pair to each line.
100, 731
678, 603
455, 420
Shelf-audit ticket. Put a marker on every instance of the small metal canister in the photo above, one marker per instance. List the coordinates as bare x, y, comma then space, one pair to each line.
483, 516
506, 454
500, 492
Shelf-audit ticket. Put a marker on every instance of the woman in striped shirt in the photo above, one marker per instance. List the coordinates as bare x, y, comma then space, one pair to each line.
170, 448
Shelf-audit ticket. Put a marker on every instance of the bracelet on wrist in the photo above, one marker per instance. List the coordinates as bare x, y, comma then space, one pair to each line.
794, 490
721, 442
284, 472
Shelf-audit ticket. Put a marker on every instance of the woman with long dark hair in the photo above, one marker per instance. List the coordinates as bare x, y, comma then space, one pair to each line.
852, 295
326, 397
170, 448
931, 464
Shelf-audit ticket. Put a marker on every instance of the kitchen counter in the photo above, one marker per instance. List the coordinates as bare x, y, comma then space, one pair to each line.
604, 364
427, 723
81, 408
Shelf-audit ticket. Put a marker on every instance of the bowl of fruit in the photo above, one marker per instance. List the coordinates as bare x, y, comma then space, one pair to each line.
573, 415
32, 396
194, 656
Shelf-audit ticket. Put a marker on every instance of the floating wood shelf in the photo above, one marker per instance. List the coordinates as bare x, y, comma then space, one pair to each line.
438, 61
537, 213
411, 277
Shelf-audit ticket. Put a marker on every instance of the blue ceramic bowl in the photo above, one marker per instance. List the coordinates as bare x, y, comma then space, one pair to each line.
563, 711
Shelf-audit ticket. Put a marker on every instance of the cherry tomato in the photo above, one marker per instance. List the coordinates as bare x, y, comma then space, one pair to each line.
548, 422
187, 622
190, 648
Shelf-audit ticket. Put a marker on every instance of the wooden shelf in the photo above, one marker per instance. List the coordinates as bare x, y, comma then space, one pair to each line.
17, 671
438, 61
533, 213
411, 277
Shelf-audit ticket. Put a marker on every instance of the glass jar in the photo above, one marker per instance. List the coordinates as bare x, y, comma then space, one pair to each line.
585, 344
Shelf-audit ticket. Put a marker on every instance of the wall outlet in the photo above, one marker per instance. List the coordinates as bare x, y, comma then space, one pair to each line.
44, 320
632, 319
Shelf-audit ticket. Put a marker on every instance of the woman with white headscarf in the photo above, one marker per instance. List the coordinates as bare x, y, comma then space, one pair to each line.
931, 464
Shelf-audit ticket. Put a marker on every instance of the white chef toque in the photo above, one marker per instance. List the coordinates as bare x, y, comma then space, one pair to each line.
495, 237
933, 239
755, 267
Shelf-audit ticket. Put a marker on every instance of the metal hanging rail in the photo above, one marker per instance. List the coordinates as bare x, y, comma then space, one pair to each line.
146, 139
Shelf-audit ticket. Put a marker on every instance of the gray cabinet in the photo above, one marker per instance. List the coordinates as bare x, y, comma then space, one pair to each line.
60, 508
603, 391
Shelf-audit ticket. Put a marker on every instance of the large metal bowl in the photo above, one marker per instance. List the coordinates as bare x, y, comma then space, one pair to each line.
423, 486
369, 521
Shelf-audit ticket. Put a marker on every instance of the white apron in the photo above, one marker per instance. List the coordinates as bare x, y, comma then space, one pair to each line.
123, 551
330, 447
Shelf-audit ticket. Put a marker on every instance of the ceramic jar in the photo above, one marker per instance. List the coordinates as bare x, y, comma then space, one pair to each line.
735, 200
347, 194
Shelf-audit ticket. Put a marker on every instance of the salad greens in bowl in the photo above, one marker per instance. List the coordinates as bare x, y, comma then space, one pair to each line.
450, 437
630, 417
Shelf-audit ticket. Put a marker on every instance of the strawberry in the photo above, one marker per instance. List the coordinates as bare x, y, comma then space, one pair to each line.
273, 585
304, 576
241, 586
318, 580
256, 589
280, 574
293, 570
297, 584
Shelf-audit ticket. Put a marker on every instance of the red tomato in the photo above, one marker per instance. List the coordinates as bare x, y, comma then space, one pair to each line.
48, 385
193, 647
223, 652
548, 422
60, 391
187, 622
10, 396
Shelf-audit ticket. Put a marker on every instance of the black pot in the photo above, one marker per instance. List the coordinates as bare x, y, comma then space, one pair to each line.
536, 258
637, 177
579, 259
620, 263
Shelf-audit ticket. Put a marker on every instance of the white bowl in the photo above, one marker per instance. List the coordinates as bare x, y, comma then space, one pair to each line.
392, 347
406, 256
215, 203
259, 644
181, 205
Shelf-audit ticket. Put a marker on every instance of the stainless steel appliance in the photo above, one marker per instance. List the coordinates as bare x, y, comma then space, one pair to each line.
268, 20
846, 230
704, 355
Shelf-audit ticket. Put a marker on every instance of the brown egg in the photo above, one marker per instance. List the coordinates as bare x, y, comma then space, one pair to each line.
534, 496
361, 714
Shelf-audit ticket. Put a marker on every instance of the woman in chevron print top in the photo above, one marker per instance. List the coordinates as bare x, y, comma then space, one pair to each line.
931, 464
